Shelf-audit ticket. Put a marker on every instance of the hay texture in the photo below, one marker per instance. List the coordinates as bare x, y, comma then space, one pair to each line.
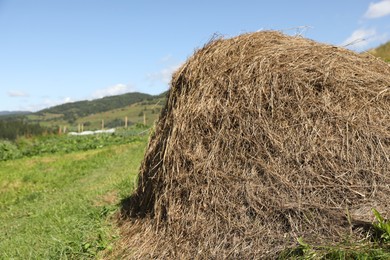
265, 138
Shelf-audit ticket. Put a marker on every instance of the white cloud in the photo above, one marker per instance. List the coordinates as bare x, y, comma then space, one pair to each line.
17, 93
379, 9
47, 102
164, 75
112, 91
166, 58
363, 38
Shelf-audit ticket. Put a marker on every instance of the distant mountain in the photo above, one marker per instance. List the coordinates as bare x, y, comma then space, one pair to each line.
108, 112
383, 52
89, 107
8, 113
113, 110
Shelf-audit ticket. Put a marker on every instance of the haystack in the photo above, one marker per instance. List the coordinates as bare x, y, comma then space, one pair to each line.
265, 138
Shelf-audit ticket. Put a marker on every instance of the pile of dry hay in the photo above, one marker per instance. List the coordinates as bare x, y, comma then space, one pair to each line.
264, 138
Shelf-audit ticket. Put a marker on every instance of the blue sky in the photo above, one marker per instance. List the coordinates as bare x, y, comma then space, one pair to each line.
56, 51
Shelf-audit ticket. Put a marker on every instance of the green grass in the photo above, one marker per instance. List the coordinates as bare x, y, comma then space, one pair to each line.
361, 250
59, 206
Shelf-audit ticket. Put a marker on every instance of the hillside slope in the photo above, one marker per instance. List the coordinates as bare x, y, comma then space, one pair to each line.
383, 52
87, 107
12, 113
105, 112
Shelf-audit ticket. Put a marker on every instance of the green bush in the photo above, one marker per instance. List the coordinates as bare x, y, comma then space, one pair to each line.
8, 151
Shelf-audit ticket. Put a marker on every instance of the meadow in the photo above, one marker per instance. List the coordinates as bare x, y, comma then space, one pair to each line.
58, 202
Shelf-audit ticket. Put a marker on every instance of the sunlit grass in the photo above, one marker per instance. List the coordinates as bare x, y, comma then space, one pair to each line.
58, 206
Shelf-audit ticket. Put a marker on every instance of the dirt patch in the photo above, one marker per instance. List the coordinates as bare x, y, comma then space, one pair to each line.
110, 198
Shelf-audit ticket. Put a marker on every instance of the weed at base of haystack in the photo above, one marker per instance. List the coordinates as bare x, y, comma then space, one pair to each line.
375, 245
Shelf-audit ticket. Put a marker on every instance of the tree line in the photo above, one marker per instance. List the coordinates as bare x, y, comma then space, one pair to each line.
12, 129
74, 110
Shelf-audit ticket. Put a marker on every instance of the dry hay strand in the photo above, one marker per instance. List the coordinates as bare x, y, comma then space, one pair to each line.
265, 138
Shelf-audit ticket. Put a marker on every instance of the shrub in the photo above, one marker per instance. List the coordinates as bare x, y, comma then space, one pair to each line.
8, 151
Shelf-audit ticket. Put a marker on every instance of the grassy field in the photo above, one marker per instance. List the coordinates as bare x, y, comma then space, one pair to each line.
134, 113
58, 206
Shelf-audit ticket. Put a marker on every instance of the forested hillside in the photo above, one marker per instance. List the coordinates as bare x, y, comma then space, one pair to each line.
73, 110
12, 113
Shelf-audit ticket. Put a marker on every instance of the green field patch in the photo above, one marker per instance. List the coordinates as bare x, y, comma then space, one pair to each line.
58, 206
63, 144
136, 114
